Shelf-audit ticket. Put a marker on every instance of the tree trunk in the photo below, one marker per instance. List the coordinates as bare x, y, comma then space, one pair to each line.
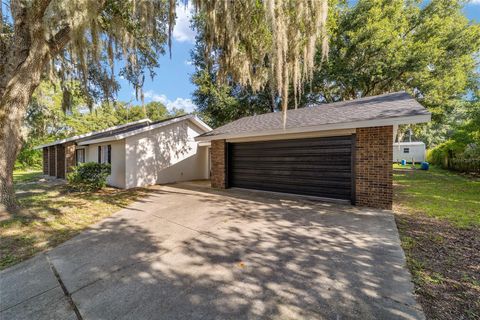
14, 101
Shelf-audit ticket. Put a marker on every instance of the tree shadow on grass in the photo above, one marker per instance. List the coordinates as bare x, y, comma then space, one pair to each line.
52, 214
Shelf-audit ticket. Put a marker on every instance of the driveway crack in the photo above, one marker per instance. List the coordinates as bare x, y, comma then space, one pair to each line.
65, 290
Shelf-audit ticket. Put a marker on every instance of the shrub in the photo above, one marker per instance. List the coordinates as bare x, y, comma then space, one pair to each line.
89, 176
29, 158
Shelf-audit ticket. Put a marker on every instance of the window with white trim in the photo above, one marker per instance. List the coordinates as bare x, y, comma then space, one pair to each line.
105, 154
79, 156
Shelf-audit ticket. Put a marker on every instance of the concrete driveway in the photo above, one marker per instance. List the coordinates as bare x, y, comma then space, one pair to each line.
189, 253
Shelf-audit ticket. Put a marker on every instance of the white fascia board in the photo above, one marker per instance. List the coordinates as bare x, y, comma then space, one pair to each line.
201, 124
204, 144
323, 127
88, 134
145, 129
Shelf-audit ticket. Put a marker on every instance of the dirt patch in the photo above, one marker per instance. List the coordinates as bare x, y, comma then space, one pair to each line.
445, 265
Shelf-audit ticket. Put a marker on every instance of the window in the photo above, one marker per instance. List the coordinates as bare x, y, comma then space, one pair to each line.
105, 154
406, 150
79, 156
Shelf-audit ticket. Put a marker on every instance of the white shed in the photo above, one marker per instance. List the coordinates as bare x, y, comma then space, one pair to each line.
410, 151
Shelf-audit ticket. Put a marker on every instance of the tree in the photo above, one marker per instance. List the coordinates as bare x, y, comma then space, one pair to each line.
220, 102
46, 121
381, 46
81, 40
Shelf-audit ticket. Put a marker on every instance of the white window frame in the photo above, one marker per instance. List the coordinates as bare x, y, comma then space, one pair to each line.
77, 160
104, 150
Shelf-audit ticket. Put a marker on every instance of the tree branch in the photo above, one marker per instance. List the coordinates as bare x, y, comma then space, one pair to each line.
59, 40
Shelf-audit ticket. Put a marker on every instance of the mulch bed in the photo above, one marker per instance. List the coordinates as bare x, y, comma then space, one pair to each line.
445, 264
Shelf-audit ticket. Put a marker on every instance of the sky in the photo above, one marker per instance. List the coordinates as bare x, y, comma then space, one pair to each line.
172, 85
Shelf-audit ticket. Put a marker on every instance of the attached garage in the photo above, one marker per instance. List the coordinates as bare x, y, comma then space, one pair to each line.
340, 151
320, 167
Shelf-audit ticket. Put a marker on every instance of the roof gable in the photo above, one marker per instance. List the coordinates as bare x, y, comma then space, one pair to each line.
129, 129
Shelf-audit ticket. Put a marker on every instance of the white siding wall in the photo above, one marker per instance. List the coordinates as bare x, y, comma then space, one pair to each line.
164, 155
416, 151
117, 178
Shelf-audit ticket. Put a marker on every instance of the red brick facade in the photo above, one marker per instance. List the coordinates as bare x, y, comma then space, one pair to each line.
51, 161
45, 160
219, 164
60, 161
373, 167
70, 160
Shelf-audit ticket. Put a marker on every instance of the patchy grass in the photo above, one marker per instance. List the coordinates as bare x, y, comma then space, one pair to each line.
24, 175
438, 193
438, 217
52, 214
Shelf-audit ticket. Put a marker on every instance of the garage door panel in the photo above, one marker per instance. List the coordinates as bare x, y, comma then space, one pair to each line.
279, 144
291, 159
317, 166
304, 151
325, 192
304, 166
293, 179
304, 174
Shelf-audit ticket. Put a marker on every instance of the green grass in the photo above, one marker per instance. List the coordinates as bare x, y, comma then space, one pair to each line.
438, 193
52, 214
20, 176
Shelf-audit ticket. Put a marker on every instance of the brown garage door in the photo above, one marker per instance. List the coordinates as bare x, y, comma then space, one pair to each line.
319, 167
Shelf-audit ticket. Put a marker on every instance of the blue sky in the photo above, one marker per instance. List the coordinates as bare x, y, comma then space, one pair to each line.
172, 85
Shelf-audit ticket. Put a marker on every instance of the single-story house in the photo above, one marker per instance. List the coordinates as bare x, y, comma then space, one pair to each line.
411, 151
341, 151
141, 153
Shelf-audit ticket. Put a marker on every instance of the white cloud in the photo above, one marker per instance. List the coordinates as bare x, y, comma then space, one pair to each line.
474, 1
178, 103
182, 31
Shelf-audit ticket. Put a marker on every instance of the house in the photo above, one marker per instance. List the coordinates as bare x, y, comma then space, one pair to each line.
340, 150
140, 153
410, 151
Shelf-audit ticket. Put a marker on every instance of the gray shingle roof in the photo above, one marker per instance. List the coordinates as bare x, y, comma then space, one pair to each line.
386, 106
133, 127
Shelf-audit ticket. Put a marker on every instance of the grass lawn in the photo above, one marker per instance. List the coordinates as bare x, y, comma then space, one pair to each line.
438, 216
52, 214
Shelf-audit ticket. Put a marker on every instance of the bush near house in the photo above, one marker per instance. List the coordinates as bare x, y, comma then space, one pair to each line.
89, 176
462, 151
454, 155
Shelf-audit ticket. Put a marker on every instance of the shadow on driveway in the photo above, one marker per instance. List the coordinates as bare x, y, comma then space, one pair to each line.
190, 253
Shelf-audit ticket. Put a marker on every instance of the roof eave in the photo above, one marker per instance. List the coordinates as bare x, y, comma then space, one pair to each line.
334, 126
88, 134
121, 136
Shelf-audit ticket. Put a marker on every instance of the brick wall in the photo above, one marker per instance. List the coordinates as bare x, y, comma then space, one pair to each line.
60, 161
373, 167
45, 160
51, 161
69, 156
218, 158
